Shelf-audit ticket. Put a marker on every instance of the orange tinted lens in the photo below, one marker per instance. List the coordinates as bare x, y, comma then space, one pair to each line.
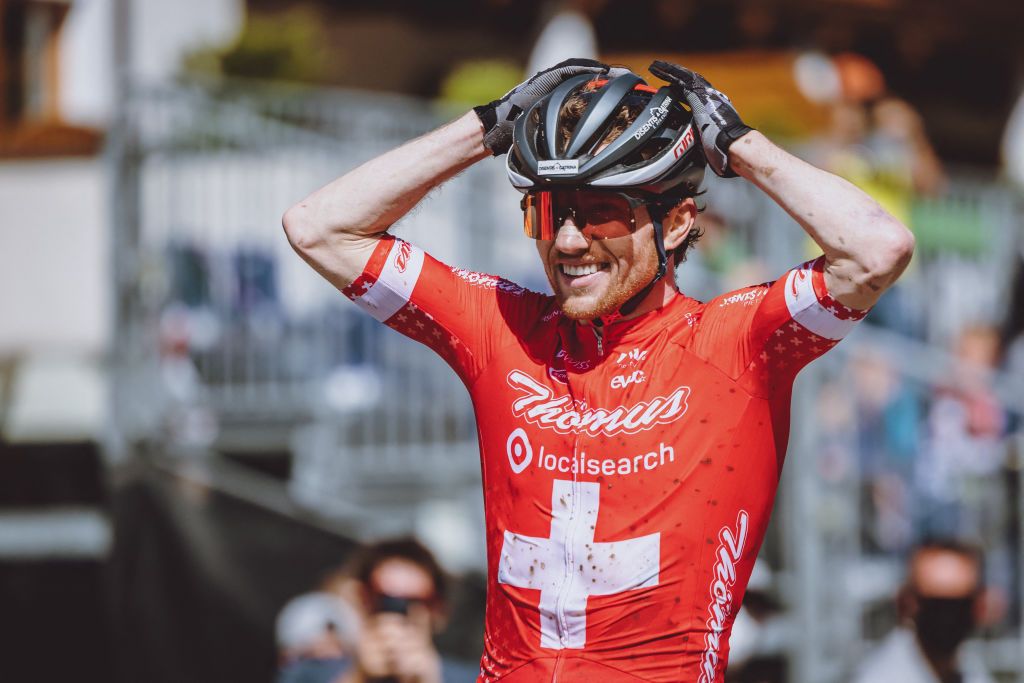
604, 215
599, 215
537, 219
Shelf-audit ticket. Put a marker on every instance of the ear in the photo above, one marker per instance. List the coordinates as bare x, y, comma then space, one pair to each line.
678, 222
906, 604
990, 606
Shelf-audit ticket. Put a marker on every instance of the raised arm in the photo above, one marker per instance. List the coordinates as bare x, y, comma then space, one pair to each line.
336, 228
865, 247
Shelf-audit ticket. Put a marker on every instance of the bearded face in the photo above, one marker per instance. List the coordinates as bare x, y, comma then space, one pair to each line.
591, 278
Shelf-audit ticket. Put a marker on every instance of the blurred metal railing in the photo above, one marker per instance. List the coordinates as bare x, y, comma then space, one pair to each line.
219, 314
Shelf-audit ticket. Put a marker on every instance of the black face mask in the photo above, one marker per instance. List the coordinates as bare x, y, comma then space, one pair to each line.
944, 623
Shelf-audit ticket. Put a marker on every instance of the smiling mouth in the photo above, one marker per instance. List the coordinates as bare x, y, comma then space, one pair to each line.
579, 276
582, 269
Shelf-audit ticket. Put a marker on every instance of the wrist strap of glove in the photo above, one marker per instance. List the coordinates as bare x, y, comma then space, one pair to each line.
724, 141
728, 136
488, 115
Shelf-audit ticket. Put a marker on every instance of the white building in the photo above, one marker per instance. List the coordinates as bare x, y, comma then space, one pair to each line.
60, 96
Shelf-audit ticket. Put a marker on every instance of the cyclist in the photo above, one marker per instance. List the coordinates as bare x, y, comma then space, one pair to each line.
631, 437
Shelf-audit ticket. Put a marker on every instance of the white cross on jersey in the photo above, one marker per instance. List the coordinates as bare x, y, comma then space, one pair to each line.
570, 566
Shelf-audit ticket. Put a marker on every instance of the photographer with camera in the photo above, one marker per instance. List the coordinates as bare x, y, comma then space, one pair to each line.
401, 592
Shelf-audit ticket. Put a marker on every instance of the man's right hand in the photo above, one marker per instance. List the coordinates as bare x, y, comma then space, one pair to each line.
398, 648
499, 116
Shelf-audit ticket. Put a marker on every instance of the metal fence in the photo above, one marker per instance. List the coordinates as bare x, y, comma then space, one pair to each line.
217, 312
227, 340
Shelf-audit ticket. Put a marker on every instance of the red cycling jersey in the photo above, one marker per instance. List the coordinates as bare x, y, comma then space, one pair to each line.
628, 478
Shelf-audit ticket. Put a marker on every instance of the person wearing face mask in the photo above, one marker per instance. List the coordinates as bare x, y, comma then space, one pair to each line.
631, 437
938, 607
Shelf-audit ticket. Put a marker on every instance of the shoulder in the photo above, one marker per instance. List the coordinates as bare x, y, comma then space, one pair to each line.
734, 302
496, 283
507, 293
734, 309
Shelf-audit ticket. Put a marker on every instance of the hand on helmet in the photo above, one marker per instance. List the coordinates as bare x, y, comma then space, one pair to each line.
716, 120
499, 116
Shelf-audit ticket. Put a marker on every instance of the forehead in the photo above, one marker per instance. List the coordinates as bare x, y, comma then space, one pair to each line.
943, 574
402, 579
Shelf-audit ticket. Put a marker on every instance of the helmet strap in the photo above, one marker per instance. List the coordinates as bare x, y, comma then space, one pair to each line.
659, 244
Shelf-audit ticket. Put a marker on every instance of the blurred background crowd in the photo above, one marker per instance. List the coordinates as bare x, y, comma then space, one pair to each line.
213, 468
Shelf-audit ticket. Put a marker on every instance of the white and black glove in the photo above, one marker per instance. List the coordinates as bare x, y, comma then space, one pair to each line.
716, 120
499, 116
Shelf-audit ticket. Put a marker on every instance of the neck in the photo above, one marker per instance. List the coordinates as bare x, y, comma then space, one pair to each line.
944, 664
660, 295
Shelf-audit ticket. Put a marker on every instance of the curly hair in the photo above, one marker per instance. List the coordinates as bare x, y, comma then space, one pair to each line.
365, 561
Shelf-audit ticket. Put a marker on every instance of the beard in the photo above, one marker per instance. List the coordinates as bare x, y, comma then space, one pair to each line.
615, 294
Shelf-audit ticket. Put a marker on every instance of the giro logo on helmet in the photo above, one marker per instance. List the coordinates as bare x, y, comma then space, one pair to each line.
658, 115
684, 143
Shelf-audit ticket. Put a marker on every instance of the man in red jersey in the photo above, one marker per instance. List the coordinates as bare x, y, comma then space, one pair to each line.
631, 437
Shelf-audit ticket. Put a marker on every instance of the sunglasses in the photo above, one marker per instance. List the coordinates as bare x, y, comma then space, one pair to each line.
598, 214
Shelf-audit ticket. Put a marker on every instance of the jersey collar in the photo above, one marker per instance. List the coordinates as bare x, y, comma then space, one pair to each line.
614, 329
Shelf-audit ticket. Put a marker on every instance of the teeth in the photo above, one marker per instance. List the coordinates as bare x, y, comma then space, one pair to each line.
576, 271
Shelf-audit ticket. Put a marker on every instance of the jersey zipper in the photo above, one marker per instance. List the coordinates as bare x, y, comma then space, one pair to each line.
568, 544
600, 341
570, 563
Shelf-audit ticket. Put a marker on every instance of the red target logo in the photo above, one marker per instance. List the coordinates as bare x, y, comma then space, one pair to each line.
520, 452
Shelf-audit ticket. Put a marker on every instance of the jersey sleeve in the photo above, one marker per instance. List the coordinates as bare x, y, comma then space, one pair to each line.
461, 315
776, 328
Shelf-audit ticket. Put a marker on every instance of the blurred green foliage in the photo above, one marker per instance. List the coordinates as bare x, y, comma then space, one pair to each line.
289, 45
952, 225
478, 81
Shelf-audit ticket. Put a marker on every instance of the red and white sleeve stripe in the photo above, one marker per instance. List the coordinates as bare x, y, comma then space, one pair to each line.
386, 283
811, 305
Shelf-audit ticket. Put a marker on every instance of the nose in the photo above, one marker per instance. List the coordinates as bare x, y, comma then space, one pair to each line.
570, 239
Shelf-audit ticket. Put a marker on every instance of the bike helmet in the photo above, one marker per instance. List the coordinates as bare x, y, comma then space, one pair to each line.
657, 156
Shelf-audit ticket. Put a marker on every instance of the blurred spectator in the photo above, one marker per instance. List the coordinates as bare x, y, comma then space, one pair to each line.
316, 636
400, 590
878, 141
966, 424
900, 145
938, 608
888, 416
1013, 334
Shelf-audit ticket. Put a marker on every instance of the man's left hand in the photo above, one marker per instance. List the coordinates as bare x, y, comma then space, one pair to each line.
717, 122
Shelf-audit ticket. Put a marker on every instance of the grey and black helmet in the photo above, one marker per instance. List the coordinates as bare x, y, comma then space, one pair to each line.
658, 153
